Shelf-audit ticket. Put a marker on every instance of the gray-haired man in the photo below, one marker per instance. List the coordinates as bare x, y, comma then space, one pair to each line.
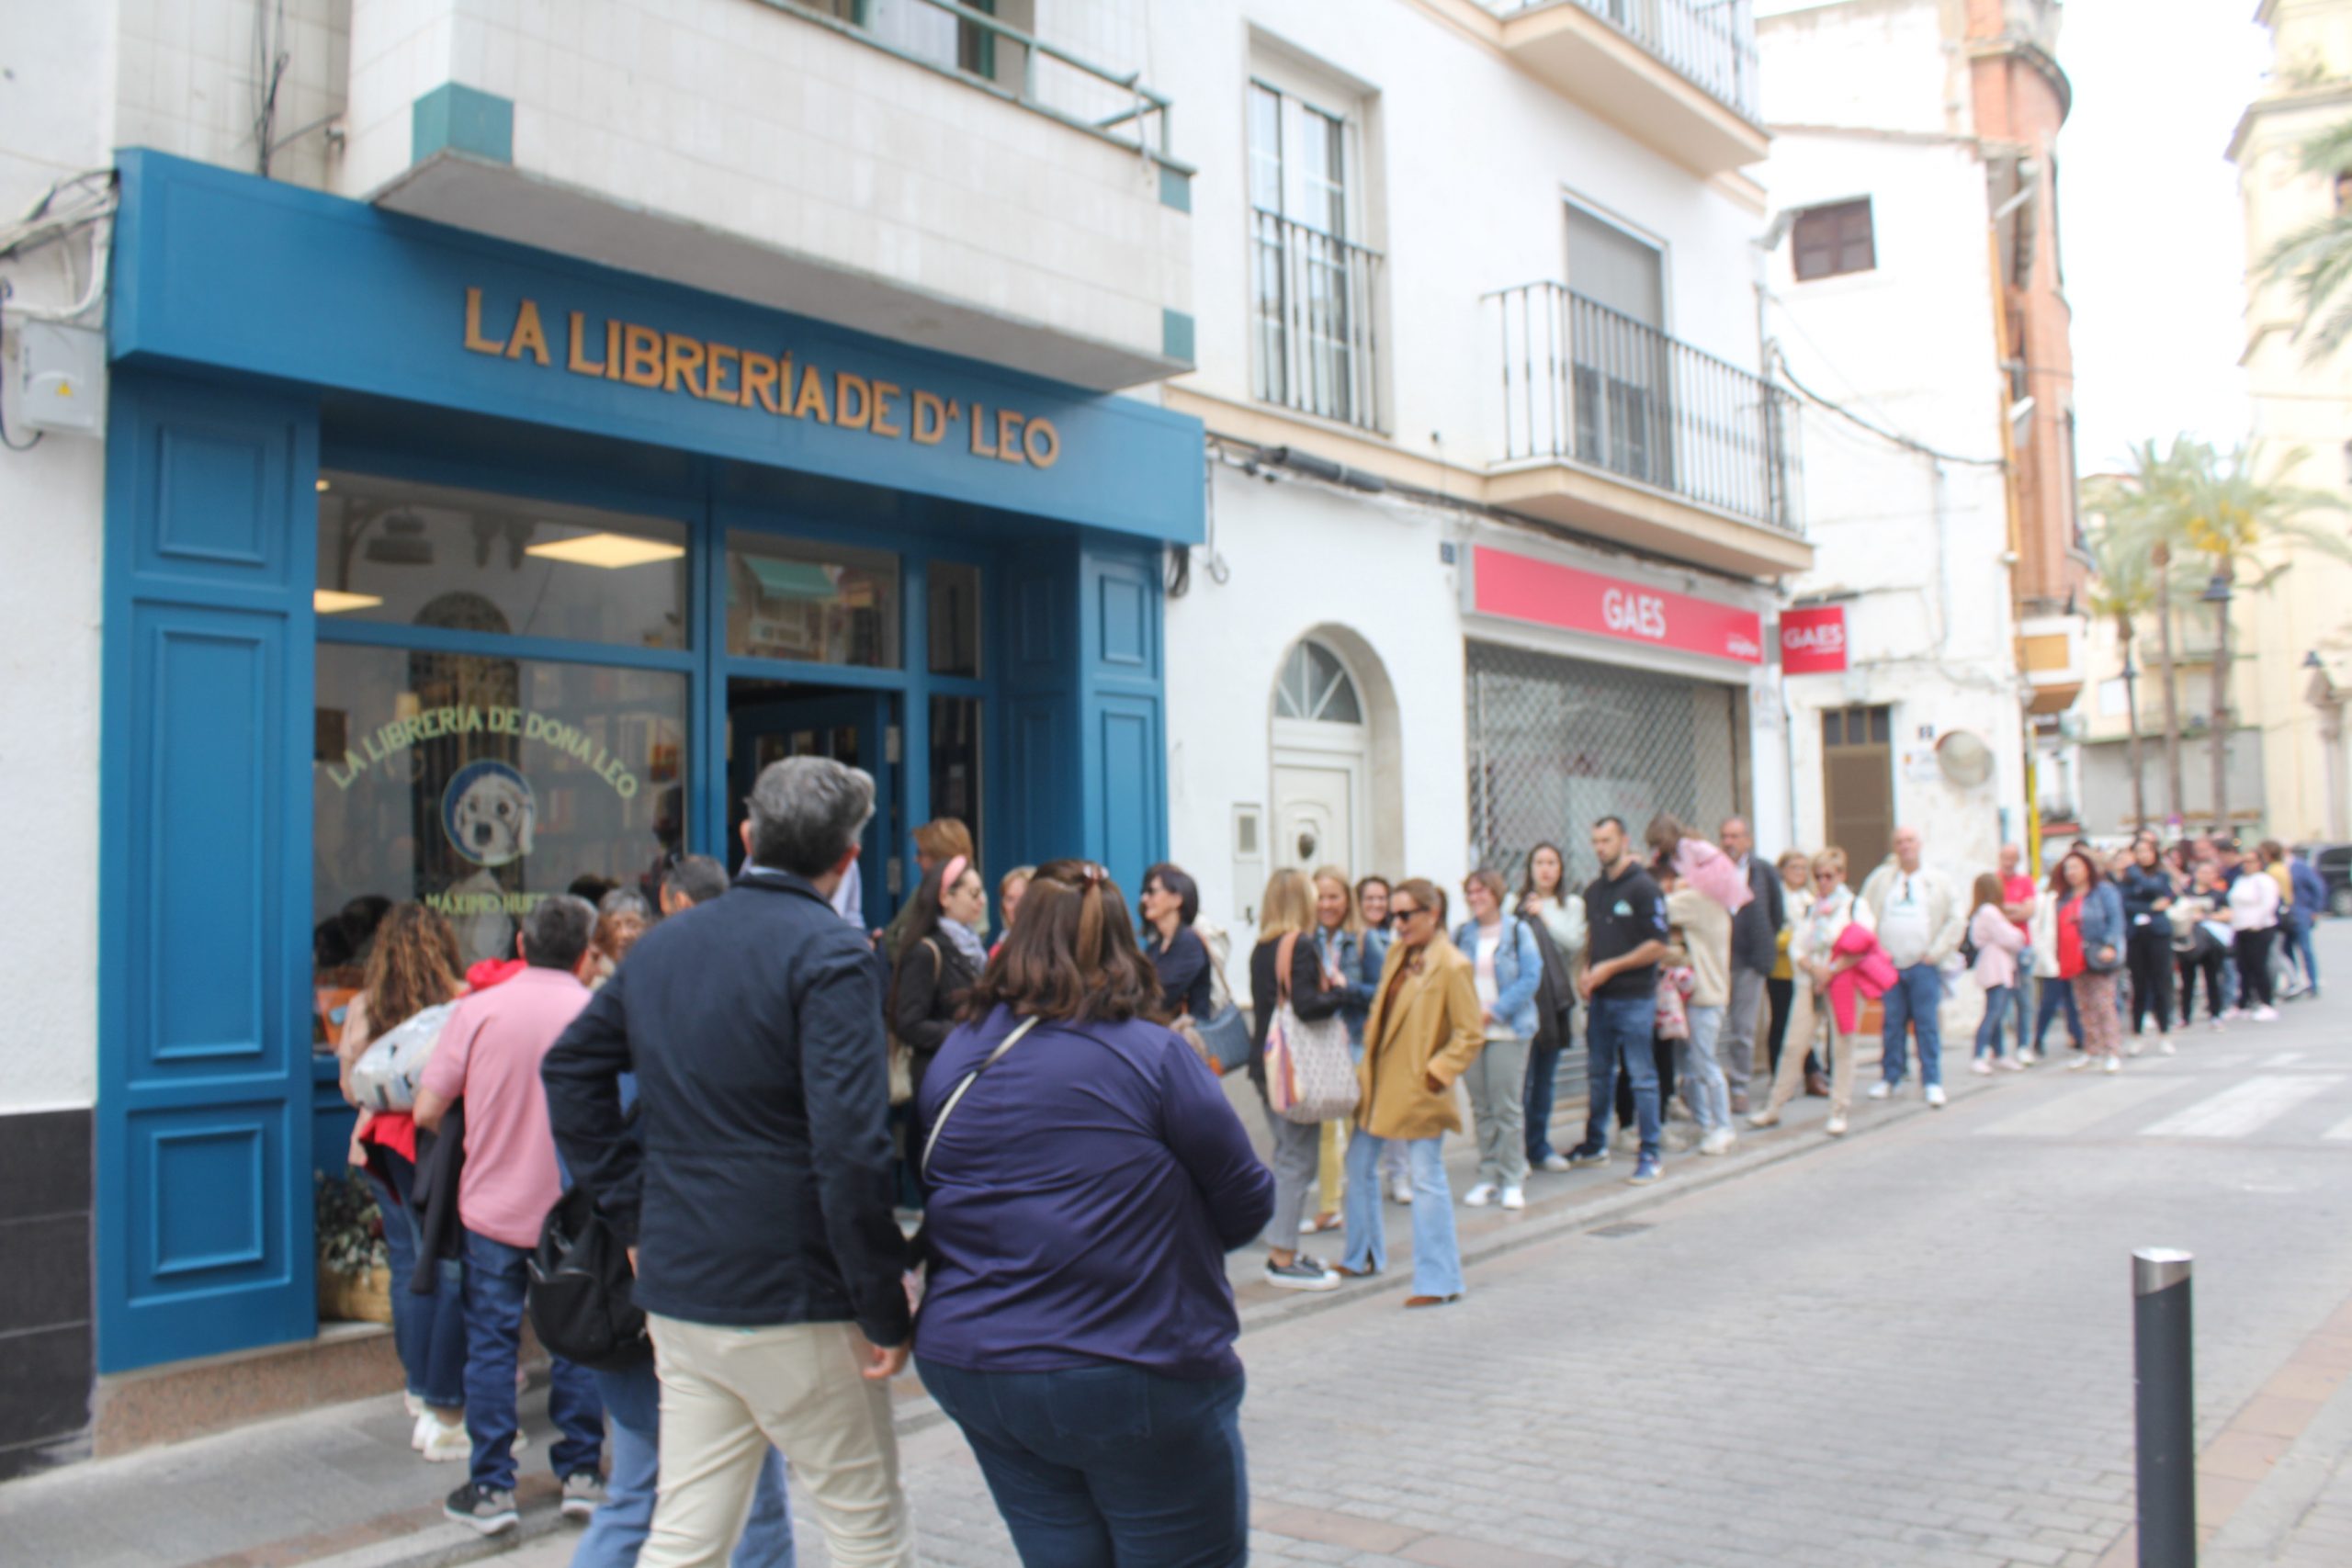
756, 1194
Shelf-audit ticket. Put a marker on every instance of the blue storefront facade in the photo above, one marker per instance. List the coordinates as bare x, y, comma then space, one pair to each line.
441, 569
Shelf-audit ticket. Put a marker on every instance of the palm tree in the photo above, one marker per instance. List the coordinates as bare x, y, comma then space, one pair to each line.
2123, 587
2239, 522
2151, 499
2317, 258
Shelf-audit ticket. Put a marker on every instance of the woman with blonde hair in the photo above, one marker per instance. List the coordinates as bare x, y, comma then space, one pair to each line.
1286, 926
1427, 1027
412, 964
1339, 943
1812, 955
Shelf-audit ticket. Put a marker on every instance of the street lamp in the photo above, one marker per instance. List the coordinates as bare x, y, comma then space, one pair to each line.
2217, 594
2132, 716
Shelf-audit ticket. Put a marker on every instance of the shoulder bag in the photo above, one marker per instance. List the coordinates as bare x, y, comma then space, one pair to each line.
1310, 1071
385, 1076
583, 1294
1224, 1035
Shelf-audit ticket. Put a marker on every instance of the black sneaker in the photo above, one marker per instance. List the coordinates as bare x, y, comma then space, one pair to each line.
1301, 1274
1586, 1154
487, 1511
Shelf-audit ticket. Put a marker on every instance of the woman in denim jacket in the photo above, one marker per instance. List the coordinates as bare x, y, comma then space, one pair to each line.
1509, 969
1339, 943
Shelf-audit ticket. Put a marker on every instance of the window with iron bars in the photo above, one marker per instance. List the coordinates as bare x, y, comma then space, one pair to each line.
1311, 285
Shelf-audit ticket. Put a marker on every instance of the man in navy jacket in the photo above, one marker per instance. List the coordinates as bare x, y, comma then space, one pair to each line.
755, 1195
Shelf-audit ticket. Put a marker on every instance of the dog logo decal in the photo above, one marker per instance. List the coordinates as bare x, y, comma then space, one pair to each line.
490, 813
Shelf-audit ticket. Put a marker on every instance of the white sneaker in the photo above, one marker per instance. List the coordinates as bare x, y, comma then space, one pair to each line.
1881, 1090
1718, 1142
2028, 1057
1478, 1197
1935, 1095
446, 1440
2163, 1045
2266, 1015
1556, 1163
420, 1429
2082, 1059
2137, 1045
1982, 1068
1835, 1126
2013, 1063
2114, 1064
1400, 1191
1515, 1198
2217, 1026
2232, 1014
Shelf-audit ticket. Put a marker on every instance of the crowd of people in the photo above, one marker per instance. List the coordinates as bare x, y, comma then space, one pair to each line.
1006, 1153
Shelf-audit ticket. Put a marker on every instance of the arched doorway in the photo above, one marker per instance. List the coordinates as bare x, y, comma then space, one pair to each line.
1322, 756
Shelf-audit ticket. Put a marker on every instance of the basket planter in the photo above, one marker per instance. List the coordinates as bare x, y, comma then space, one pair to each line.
355, 1298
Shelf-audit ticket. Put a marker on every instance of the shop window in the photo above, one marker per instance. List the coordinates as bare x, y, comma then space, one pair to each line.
466, 561
812, 603
955, 620
955, 761
1835, 239
479, 785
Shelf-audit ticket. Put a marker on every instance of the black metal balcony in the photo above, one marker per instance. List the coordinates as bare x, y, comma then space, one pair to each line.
1592, 386
1711, 42
1315, 310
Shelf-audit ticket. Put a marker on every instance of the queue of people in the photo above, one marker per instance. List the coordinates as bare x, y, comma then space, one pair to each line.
763, 1099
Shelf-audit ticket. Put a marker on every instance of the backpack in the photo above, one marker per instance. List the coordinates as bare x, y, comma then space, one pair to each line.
582, 1292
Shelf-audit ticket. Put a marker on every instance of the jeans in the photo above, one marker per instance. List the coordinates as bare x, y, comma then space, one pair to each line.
2147, 952
1702, 1069
2298, 942
617, 1530
2021, 1004
1617, 1031
1915, 999
495, 1276
1092, 1466
1542, 1093
429, 1332
2211, 963
1497, 1080
1437, 1255
1989, 1029
2055, 994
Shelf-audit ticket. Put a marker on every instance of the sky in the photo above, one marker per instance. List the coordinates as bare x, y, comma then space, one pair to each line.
2149, 222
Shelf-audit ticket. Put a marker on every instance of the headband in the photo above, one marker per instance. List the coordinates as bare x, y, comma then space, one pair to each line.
951, 876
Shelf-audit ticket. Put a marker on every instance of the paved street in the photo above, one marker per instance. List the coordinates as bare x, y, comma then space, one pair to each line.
1909, 1348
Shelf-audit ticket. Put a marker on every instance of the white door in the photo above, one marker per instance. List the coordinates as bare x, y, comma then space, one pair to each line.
1315, 811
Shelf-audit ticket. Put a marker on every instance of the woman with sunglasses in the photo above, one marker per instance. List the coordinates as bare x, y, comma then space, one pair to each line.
1426, 1028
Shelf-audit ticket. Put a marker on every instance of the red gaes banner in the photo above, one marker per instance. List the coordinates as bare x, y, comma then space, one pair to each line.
1813, 642
1523, 589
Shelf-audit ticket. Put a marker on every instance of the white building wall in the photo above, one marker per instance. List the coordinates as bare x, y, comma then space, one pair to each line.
1913, 548
1470, 163
56, 120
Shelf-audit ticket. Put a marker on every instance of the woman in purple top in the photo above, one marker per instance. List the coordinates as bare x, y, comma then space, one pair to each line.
1084, 1178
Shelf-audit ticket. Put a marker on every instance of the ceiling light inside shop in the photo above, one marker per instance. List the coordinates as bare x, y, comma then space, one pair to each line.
610, 551
334, 601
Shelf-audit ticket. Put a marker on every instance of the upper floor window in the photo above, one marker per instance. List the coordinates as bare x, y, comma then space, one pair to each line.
1311, 279
1834, 240
925, 31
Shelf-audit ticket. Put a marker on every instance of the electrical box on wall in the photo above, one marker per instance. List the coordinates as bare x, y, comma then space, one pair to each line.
61, 379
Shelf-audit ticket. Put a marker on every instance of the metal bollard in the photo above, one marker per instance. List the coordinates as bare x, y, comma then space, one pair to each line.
2166, 1415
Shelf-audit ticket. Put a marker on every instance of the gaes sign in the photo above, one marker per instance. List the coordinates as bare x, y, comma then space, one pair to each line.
1812, 641
1547, 593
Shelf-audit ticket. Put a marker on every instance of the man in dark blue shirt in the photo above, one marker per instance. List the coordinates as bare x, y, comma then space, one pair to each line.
1624, 939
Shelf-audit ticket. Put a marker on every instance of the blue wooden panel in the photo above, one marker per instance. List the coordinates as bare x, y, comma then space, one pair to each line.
1037, 616
205, 696
1124, 620
1128, 787
205, 1075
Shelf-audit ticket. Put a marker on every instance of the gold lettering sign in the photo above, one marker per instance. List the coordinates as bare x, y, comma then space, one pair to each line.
775, 385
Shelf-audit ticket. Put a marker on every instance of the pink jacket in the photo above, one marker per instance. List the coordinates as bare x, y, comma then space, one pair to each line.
1998, 942
1713, 872
1872, 976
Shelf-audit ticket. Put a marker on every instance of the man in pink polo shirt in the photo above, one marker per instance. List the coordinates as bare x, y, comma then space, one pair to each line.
488, 1056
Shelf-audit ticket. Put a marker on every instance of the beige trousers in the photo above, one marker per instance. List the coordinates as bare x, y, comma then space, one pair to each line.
1809, 1016
727, 1393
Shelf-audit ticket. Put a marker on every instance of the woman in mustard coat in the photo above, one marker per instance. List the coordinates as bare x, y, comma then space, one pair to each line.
1425, 1029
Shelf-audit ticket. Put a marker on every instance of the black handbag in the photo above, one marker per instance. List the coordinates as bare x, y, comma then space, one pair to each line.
583, 1297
